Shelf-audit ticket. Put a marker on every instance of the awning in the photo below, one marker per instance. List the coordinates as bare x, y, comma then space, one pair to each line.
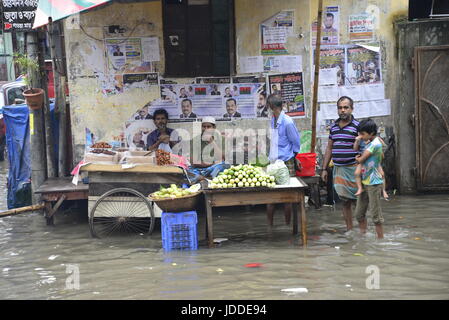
59, 9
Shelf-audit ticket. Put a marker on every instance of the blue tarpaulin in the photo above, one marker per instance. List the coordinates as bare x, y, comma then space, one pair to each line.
18, 144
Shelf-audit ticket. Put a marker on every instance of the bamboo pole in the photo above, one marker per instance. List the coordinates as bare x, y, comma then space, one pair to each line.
317, 74
21, 210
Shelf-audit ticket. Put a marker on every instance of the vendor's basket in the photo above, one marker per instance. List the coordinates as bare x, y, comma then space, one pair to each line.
180, 204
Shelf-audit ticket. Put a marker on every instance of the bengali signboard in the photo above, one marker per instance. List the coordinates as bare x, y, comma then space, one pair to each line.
18, 15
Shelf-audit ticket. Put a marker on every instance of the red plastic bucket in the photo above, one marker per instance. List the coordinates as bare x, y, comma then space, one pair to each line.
308, 163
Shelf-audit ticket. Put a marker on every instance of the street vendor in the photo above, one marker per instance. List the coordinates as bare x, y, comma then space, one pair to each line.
162, 137
207, 152
340, 148
285, 144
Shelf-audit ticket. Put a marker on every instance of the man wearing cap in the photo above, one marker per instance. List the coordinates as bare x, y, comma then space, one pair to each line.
207, 152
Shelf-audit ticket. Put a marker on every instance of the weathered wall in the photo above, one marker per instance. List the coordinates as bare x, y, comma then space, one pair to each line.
411, 35
105, 115
89, 108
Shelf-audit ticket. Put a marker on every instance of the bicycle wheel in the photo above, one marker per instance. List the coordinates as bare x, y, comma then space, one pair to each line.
121, 210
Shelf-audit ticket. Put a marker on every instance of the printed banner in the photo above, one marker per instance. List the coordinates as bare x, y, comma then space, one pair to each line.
221, 101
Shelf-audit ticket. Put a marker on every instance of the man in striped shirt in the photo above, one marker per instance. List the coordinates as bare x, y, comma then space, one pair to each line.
340, 149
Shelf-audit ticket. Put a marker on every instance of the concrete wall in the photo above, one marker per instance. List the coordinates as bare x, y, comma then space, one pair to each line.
411, 35
106, 115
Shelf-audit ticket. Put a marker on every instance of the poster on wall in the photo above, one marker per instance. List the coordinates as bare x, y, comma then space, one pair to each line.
332, 58
282, 64
290, 87
125, 56
364, 65
18, 15
330, 28
361, 27
275, 31
221, 101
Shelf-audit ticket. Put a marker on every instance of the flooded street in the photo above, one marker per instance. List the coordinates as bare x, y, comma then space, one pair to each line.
413, 259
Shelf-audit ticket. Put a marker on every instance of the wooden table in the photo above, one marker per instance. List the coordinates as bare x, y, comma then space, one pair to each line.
59, 190
292, 193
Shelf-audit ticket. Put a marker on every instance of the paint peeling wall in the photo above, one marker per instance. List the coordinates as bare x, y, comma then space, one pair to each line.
105, 115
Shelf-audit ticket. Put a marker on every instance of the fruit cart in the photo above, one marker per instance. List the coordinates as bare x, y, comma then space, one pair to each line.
118, 197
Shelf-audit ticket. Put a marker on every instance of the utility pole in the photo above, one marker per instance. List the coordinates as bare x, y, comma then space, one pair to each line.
49, 141
317, 74
55, 37
38, 160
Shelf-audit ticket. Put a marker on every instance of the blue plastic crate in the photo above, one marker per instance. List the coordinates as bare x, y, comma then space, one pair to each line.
179, 231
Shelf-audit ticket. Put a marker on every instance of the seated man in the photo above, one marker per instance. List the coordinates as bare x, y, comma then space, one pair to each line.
162, 137
207, 152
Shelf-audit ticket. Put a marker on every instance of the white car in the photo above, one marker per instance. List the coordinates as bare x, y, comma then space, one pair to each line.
12, 93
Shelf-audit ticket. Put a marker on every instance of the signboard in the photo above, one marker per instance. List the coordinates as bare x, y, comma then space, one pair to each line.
18, 15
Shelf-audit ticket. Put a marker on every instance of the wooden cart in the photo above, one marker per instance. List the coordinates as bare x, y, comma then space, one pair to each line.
118, 197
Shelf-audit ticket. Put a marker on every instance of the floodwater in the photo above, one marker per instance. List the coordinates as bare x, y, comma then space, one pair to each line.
42, 262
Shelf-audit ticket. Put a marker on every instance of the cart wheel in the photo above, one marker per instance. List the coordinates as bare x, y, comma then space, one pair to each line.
121, 210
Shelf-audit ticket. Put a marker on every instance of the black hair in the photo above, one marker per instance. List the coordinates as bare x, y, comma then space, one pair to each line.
264, 94
368, 126
274, 100
190, 101
160, 111
330, 15
231, 99
351, 102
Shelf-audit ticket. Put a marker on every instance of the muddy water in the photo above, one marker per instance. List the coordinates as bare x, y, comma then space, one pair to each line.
413, 259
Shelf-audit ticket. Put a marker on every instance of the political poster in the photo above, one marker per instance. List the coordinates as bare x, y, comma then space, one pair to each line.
290, 87
364, 65
330, 28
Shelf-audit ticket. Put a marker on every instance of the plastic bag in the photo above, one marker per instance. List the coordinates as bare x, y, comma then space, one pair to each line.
279, 170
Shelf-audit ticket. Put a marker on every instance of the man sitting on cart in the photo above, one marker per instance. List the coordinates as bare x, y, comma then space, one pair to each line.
207, 152
162, 137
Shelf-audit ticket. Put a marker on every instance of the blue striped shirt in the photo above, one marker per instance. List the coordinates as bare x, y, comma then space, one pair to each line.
343, 152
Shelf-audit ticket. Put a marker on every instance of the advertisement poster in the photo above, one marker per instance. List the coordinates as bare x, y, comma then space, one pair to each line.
275, 31
290, 87
334, 58
282, 63
364, 65
18, 15
140, 80
125, 56
361, 27
330, 28
221, 101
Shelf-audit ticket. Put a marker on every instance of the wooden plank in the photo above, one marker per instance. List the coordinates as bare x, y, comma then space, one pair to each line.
302, 207
247, 198
143, 168
98, 189
77, 195
61, 185
134, 177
